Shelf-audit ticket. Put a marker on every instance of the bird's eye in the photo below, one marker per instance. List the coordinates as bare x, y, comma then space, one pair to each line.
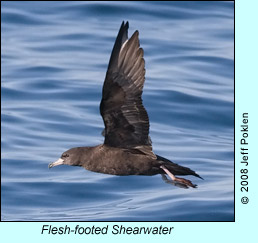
65, 155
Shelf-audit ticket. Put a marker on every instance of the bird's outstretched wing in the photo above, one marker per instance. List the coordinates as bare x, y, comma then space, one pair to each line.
126, 120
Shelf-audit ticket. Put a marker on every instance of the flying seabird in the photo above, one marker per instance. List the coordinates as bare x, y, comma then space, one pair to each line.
127, 148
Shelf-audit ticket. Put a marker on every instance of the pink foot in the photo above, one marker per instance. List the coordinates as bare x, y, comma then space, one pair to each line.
180, 180
185, 181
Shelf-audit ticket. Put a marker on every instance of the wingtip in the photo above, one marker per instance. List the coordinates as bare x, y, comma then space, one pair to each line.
125, 24
124, 28
135, 35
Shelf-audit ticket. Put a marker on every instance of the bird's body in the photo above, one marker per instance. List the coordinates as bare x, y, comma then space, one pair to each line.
112, 161
127, 149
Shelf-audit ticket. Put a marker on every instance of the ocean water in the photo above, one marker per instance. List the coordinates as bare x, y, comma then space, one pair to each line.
54, 58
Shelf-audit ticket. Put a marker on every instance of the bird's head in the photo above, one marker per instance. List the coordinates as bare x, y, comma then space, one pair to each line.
69, 157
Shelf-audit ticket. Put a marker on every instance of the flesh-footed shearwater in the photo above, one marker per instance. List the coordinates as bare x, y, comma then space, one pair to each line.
127, 148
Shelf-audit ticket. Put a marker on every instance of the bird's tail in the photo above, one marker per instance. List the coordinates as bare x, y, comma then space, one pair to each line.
175, 168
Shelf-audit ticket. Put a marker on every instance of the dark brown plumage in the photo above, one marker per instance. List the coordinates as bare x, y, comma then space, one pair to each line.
127, 148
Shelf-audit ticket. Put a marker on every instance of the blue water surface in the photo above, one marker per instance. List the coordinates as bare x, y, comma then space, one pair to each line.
54, 57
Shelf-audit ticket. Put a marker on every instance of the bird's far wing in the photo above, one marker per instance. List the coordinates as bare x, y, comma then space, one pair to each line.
126, 120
